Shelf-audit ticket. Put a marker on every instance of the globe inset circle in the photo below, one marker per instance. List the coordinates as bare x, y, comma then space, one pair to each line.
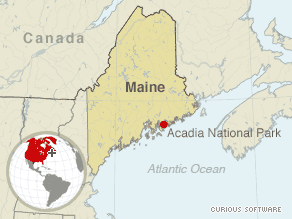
46, 171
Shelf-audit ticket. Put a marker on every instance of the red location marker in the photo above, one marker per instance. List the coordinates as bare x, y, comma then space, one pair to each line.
163, 124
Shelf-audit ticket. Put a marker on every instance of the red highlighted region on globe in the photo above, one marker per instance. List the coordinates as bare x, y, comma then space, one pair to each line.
37, 150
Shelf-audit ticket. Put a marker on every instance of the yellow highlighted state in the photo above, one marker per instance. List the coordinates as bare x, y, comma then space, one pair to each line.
143, 58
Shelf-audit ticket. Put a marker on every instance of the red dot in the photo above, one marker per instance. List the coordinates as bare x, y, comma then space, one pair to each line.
163, 124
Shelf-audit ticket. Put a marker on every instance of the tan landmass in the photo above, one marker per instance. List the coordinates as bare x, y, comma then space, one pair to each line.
257, 112
11, 123
60, 69
29, 215
52, 115
208, 32
43, 115
216, 50
212, 46
68, 217
145, 52
203, 112
277, 71
286, 42
26, 215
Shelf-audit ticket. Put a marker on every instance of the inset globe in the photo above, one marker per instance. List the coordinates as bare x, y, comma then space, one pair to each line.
46, 171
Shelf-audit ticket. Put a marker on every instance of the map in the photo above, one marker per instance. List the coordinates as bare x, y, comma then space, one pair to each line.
145, 109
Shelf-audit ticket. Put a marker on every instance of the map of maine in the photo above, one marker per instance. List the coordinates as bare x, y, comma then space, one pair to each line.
139, 88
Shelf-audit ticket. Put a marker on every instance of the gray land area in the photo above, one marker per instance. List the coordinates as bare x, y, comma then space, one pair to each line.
30, 165
78, 157
79, 162
56, 186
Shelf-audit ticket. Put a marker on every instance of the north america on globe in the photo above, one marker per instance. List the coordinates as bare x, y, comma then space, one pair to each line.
38, 149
